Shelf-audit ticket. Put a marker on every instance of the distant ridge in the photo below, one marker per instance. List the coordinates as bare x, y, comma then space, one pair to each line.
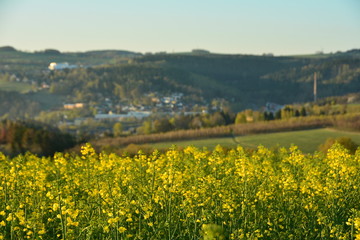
51, 52
355, 50
7, 49
110, 53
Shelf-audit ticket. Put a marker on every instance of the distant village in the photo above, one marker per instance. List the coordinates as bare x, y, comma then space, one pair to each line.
160, 105
112, 110
109, 110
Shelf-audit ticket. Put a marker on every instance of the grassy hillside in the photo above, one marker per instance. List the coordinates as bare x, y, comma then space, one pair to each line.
307, 140
14, 86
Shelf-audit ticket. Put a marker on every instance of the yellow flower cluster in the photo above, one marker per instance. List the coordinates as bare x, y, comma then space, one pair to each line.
182, 194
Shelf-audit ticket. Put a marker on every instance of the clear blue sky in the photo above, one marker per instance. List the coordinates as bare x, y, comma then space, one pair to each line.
281, 27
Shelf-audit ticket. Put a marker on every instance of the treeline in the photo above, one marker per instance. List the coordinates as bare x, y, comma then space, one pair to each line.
291, 111
325, 107
184, 122
17, 137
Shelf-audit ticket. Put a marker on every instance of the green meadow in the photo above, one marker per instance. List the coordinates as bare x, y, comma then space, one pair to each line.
307, 140
15, 86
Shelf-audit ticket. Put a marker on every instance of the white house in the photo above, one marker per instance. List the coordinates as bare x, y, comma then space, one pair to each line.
61, 66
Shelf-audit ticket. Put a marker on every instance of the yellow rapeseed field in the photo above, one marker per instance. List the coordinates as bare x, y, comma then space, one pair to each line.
182, 194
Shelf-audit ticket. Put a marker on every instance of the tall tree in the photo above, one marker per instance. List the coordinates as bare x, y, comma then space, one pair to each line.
117, 129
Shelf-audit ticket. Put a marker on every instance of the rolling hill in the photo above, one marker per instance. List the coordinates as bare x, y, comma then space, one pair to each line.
244, 81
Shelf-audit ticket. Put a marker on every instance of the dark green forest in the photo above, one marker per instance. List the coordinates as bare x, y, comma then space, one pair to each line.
253, 80
18, 137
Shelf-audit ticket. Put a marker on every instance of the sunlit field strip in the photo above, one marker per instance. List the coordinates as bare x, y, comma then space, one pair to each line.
307, 140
